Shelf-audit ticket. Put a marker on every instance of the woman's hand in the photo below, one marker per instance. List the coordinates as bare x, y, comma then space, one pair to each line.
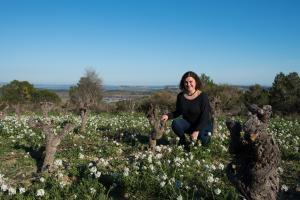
164, 118
194, 135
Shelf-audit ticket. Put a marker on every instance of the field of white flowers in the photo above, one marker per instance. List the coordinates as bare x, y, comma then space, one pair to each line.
112, 161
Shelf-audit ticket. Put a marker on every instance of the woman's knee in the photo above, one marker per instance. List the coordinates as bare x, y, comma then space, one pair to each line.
179, 126
175, 126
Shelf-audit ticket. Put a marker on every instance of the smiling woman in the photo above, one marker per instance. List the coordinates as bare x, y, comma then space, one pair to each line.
193, 105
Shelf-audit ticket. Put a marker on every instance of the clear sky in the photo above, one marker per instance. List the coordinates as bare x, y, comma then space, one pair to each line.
149, 42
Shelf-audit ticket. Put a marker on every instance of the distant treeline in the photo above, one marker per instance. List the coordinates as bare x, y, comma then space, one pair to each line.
283, 96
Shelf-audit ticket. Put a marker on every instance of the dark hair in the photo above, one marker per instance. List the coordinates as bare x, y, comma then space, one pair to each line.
193, 75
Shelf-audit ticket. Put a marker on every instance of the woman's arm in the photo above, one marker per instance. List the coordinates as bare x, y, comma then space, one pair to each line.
205, 115
177, 112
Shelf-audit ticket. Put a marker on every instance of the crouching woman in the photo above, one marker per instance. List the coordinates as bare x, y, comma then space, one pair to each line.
193, 106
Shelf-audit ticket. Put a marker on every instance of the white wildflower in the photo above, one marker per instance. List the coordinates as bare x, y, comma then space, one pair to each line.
171, 180
280, 170
98, 174
93, 169
21, 190
42, 179
207, 167
126, 171
12, 191
92, 190
159, 156
210, 178
180, 147
158, 148
4, 187
179, 197
58, 162
60, 175
191, 156
144, 167
223, 148
81, 156
164, 177
221, 166
119, 151
217, 191
62, 184
213, 167
40, 192
284, 188
162, 184
103, 162
158, 163
151, 167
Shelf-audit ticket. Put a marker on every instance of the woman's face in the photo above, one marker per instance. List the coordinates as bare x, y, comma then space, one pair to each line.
190, 84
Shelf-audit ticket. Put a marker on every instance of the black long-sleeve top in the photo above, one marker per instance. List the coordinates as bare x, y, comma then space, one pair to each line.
196, 111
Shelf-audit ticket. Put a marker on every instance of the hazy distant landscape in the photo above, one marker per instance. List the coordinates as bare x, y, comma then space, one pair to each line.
137, 88
112, 93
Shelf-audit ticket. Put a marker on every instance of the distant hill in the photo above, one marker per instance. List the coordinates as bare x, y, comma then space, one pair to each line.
139, 88
246, 87
56, 87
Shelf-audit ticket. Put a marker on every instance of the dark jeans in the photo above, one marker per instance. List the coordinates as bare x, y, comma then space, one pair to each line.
181, 126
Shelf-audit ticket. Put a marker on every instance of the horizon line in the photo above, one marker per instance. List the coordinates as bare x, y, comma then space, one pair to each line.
134, 85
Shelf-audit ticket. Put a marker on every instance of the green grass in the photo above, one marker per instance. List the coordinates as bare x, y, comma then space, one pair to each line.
115, 146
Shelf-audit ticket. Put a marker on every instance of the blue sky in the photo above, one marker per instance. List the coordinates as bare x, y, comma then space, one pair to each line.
149, 42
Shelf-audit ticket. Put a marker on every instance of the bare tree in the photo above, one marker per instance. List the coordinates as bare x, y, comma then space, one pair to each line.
87, 93
3, 111
131, 105
256, 156
215, 104
46, 108
18, 110
52, 139
158, 127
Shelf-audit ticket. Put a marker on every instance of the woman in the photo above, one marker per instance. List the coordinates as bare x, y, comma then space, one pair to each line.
193, 105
